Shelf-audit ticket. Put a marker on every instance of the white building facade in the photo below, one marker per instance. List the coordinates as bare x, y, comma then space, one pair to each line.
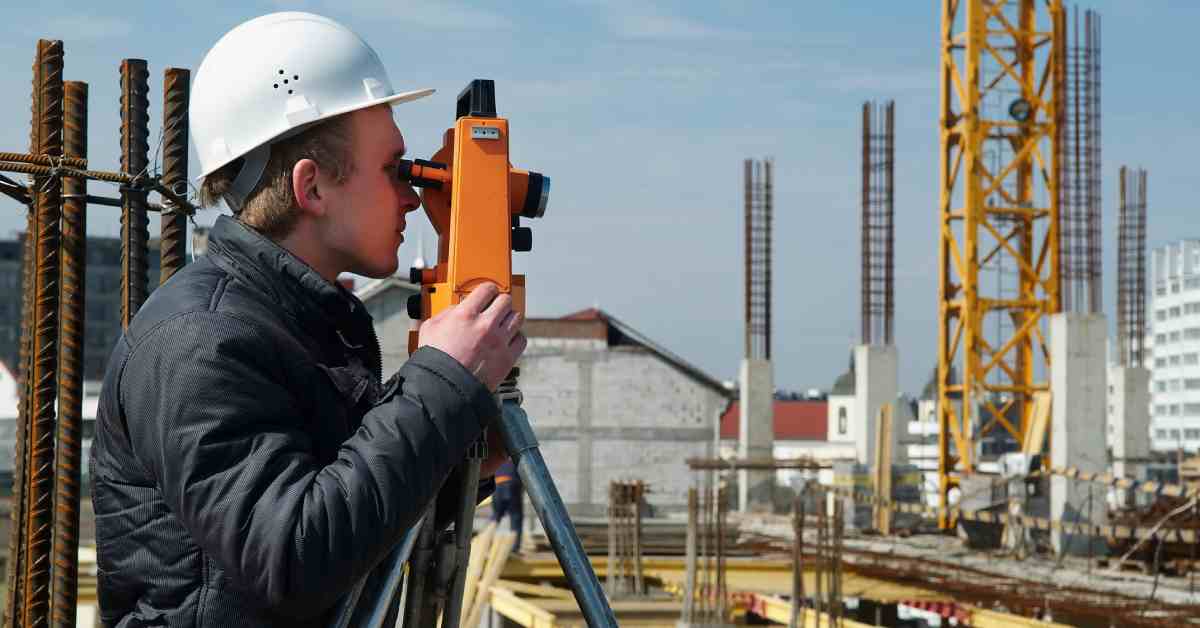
1175, 328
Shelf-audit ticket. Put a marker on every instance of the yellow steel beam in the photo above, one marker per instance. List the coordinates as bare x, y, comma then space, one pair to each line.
980, 618
759, 574
779, 610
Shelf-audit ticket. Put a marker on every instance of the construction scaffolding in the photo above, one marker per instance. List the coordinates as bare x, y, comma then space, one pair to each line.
42, 570
878, 231
758, 196
1081, 189
1131, 268
1002, 80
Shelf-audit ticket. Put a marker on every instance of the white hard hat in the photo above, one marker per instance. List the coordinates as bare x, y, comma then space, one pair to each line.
270, 77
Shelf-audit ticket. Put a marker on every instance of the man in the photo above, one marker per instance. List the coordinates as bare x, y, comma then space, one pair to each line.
249, 465
507, 500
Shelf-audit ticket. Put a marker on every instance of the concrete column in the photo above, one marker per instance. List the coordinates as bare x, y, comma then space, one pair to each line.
1077, 388
875, 383
756, 417
1129, 422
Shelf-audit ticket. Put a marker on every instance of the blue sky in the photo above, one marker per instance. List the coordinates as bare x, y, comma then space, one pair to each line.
643, 112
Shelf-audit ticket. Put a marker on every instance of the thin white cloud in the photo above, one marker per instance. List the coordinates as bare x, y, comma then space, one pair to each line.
662, 27
88, 27
448, 16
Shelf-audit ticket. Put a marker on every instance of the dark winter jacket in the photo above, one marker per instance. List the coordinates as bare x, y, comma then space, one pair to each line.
249, 466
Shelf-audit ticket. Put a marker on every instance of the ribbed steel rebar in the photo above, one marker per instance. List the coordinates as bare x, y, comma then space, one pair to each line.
135, 149
43, 160
73, 252
14, 598
40, 488
177, 201
175, 165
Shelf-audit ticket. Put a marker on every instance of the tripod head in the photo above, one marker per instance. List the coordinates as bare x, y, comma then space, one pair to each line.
475, 200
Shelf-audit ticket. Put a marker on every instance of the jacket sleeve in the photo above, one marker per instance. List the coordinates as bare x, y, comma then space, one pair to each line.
209, 417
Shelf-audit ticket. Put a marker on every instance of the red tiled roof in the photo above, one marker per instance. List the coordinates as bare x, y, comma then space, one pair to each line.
794, 420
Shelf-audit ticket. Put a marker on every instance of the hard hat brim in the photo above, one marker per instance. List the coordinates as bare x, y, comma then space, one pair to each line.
394, 99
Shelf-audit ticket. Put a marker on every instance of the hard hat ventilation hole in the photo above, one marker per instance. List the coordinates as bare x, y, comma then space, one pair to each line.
295, 77
281, 71
289, 91
277, 86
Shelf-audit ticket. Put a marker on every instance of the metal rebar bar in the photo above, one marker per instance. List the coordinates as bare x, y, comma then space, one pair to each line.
40, 517
865, 293
73, 256
14, 598
173, 242
177, 203
43, 160
748, 248
135, 148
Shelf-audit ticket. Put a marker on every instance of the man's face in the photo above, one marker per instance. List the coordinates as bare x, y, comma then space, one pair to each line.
367, 210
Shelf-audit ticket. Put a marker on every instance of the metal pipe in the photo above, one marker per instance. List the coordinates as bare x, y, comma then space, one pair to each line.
40, 517
73, 252
522, 446
173, 243
383, 589
135, 148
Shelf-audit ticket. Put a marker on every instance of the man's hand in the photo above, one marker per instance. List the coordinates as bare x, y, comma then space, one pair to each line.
482, 332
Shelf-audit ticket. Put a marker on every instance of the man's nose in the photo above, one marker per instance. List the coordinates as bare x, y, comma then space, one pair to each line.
409, 200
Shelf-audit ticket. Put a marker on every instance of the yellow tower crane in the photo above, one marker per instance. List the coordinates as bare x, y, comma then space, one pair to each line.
1002, 92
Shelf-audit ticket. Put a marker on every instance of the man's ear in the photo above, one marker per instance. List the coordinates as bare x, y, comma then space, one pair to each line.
306, 191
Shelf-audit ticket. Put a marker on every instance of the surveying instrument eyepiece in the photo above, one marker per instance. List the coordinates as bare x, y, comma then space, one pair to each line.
475, 200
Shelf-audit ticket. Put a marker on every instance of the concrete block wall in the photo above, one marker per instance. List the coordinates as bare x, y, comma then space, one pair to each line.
603, 413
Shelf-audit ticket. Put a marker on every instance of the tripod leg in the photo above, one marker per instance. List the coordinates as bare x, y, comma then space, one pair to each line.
523, 448
464, 525
418, 573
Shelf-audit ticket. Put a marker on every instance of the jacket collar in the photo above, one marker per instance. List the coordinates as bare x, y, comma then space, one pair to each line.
296, 286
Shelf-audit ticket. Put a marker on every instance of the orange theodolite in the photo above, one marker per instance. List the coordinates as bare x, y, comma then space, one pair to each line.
475, 200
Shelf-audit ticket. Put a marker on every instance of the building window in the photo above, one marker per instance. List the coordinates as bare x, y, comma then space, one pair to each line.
1192, 383
1191, 409
1160, 362
1175, 312
842, 421
1173, 336
1160, 410
1192, 333
1160, 315
1174, 360
1192, 283
1173, 409
1191, 359
1160, 386
1160, 434
1175, 434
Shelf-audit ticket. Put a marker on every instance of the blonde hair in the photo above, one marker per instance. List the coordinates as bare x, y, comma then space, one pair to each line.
270, 207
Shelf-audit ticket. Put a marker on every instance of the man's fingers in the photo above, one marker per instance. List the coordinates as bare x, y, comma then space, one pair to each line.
517, 345
512, 324
480, 298
498, 311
